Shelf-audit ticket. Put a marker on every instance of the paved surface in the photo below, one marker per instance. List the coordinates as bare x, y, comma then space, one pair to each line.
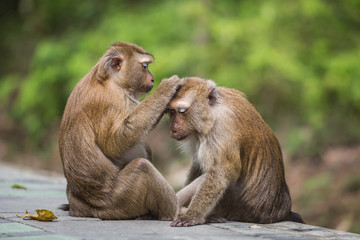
48, 192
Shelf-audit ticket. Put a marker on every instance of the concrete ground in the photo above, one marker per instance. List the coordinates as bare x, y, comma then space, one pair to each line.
45, 191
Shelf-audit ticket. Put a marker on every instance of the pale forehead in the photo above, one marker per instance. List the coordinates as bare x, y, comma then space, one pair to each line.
186, 100
183, 102
145, 58
210, 84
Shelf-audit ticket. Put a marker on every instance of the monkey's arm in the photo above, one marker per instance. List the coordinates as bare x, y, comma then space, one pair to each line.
147, 114
208, 193
211, 187
203, 202
125, 129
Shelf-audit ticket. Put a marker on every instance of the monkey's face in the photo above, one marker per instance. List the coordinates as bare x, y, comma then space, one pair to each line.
130, 66
144, 80
190, 110
179, 128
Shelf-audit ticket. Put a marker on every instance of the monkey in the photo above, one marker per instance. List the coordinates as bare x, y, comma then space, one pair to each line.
105, 159
237, 170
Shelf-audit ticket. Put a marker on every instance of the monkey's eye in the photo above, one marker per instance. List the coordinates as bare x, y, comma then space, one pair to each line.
144, 65
181, 110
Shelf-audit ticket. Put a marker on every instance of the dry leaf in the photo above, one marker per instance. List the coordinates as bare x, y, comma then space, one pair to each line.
255, 226
18, 186
42, 215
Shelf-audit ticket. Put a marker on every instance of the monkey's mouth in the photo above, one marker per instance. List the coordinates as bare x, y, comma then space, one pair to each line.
147, 88
177, 135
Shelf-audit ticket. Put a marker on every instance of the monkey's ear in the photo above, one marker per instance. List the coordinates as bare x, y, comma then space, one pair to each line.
212, 96
116, 63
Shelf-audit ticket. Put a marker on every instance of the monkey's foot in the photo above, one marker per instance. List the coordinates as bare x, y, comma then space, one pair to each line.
216, 219
184, 223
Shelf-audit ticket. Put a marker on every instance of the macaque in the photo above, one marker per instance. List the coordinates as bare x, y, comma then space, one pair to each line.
237, 171
105, 159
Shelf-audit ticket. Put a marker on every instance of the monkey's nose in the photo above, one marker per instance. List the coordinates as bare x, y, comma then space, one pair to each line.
152, 80
173, 133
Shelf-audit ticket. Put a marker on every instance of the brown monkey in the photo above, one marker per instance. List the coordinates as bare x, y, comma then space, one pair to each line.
101, 139
237, 170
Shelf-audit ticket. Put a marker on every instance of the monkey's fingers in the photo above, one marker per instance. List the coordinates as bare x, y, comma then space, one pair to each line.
175, 222
184, 223
175, 77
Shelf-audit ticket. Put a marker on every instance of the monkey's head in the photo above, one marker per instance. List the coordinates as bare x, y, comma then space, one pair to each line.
127, 65
191, 110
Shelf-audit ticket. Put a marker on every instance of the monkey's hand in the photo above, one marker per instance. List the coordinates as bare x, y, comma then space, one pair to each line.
185, 220
170, 85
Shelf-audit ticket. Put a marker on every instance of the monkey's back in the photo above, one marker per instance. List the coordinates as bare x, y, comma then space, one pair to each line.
86, 168
261, 193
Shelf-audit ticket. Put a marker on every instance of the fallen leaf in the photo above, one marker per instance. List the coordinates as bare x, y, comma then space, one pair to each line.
42, 215
18, 186
255, 226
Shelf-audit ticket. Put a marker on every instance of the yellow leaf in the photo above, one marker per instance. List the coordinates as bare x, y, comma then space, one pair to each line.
45, 215
42, 215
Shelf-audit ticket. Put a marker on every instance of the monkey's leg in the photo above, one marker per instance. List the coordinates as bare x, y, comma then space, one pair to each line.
141, 190
184, 195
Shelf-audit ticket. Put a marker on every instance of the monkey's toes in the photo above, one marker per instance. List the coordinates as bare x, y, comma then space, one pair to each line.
183, 223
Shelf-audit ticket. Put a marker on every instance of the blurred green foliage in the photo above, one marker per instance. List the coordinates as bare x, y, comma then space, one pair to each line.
298, 61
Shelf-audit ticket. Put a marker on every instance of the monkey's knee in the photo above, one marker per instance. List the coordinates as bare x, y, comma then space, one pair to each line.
141, 165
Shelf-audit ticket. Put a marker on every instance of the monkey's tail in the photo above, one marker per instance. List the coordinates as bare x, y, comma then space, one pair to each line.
64, 207
295, 217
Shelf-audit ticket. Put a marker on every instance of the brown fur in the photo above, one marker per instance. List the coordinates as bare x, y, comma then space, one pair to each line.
101, 139
237, 170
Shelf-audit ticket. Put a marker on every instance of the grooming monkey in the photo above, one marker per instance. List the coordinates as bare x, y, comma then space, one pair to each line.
237, 170
101, 139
